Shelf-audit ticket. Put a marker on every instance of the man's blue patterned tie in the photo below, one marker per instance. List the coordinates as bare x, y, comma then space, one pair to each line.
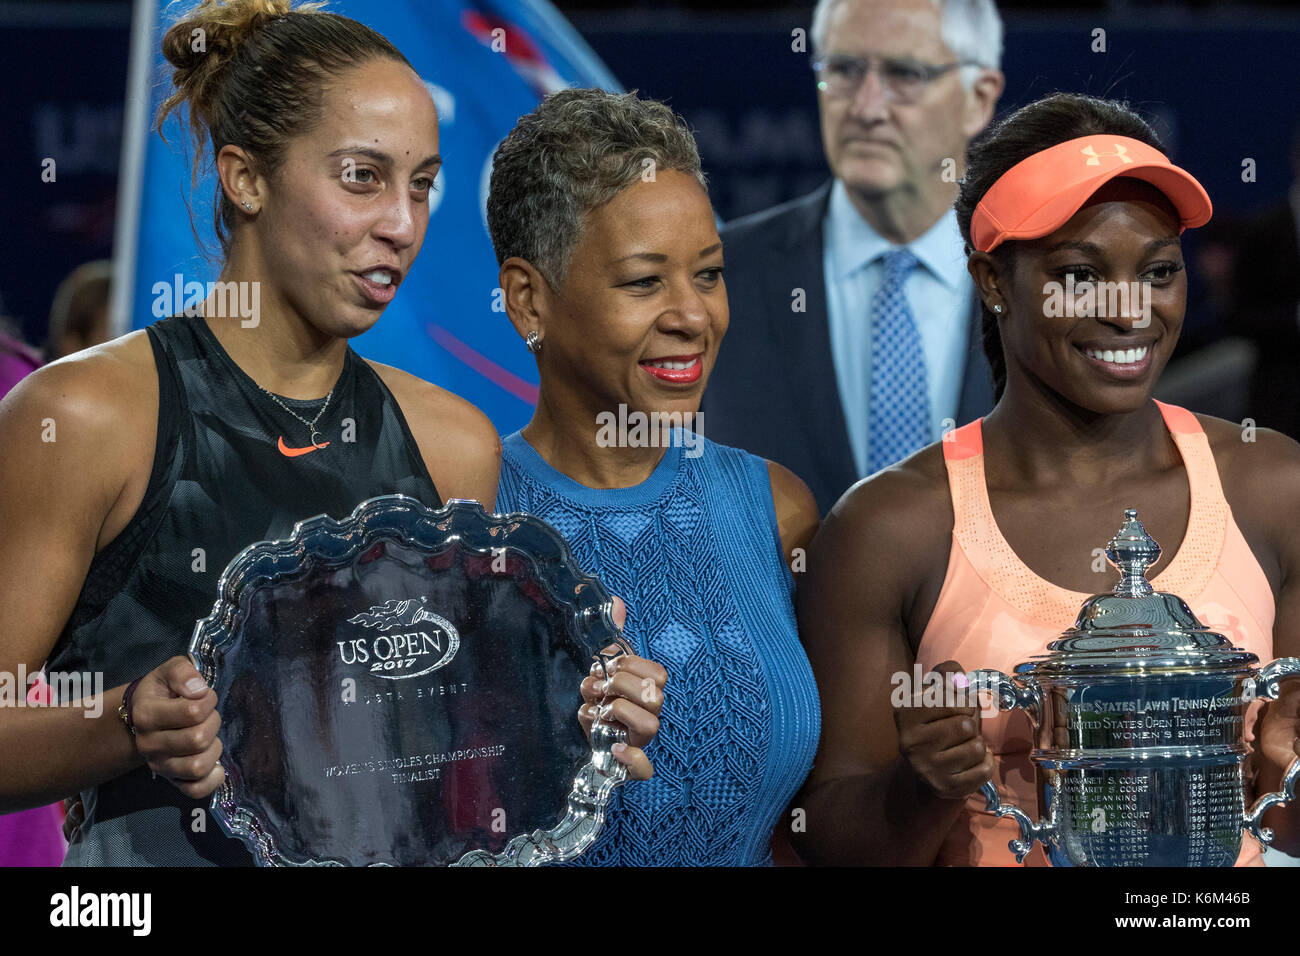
899, 405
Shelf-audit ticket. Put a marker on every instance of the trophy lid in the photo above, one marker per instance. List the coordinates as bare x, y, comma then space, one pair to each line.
1134, 628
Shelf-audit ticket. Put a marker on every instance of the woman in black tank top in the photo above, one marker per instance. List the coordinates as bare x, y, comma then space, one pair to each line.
264, 417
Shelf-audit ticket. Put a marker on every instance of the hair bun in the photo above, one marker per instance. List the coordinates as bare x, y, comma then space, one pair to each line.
204, 40
252, 74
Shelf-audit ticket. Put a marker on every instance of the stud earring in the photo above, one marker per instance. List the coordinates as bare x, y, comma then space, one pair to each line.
248, 205
533, 342
997, 309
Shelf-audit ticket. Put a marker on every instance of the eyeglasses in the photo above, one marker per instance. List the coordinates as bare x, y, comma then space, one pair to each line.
840, 75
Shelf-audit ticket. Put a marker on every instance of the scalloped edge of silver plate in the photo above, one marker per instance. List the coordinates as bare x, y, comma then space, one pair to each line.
414, 524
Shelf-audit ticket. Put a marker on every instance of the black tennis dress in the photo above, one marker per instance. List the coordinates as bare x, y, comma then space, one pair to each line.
231, 467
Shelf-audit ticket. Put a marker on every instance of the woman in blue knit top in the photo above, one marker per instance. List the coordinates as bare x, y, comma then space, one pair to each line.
611, 268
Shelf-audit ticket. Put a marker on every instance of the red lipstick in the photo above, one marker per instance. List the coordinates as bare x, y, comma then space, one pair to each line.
677, 376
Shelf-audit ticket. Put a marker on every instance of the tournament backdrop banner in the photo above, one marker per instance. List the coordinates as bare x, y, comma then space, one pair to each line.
442, 325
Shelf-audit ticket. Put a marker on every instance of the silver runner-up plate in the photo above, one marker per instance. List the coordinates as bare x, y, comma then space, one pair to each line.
402, 688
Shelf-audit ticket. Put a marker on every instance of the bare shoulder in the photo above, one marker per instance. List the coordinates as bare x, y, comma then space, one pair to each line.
118, 361
1255, 464
81, 431
907, 500
437, 413
1260, 472
879, 559
460, 445
797, 516
108, 391
895, 527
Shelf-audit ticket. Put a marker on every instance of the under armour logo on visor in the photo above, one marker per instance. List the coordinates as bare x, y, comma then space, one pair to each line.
1094, 157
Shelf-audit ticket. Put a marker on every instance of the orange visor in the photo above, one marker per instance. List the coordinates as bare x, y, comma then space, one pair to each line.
1039, 194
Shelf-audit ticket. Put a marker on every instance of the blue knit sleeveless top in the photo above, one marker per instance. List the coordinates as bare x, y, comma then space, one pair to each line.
695, 553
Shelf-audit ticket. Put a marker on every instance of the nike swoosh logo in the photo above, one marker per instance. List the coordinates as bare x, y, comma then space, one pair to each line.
295, 452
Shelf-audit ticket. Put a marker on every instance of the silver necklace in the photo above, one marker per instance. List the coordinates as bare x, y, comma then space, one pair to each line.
311, 425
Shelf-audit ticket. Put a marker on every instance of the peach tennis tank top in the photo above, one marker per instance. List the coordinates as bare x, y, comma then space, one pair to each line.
995, 612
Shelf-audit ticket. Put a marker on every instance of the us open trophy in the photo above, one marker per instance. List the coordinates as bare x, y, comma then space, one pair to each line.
1139, 715
402, 688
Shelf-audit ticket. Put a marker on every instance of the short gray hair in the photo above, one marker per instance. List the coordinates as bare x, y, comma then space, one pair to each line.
972, 29
576, 151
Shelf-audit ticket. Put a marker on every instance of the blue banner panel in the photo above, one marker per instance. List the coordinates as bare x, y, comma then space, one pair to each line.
442, 326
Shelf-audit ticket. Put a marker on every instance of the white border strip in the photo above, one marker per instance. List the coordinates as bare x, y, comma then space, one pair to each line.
130, 184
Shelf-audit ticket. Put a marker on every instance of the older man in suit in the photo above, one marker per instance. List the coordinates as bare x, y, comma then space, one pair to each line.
854, 334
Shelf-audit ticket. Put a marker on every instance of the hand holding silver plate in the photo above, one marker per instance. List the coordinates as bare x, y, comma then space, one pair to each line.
402, 688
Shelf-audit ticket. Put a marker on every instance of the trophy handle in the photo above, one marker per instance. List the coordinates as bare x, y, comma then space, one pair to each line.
1013, 693
1268, 686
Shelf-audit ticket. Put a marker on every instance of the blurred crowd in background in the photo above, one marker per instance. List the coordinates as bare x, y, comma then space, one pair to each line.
1219, 79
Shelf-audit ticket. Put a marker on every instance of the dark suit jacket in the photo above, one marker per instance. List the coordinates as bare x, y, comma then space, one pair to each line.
773, 391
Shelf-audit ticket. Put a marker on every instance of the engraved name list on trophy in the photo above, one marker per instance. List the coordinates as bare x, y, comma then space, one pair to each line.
1139, 730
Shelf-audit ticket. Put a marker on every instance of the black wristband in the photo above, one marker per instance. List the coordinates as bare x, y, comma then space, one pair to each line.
126, 713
